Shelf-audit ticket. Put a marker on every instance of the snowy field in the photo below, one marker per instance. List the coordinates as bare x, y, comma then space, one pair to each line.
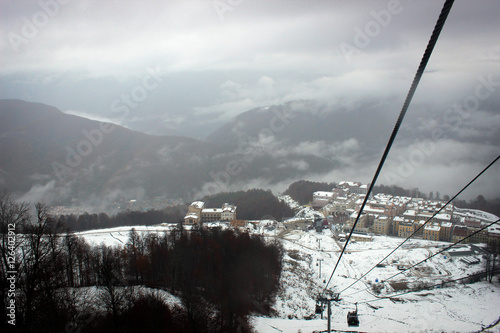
458, 308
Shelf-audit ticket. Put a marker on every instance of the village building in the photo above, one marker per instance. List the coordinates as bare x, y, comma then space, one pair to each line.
321, 199
410, 214
431, 232
360, 226
193, 216
361, 237
381, 225
479, 236
354, 187
395, 225
339, 205
198, 214
406, 228
459, 233
445, 231
494, 233
419, 227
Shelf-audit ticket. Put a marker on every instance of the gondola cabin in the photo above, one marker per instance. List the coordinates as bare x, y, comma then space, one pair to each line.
319, 308
352, 318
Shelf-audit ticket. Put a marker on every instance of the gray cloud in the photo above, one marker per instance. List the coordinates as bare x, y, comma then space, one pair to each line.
215, 65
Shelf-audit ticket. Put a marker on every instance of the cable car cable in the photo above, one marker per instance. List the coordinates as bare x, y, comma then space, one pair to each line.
442, 284
439, 252
420, 227
420, 71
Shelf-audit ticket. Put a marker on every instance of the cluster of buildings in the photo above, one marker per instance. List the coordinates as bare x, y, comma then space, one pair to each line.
396, 216
197, 214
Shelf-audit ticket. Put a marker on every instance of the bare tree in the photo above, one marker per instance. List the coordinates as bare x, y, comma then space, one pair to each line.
111, 282
41, 271
12, 216
493, 249
135, 251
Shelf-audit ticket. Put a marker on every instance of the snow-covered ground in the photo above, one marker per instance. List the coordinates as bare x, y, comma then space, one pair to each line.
475, 214
459, 308
119, 236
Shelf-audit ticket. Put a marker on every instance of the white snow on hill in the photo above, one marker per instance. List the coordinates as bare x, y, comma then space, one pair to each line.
118, 236
475, 214
457, 308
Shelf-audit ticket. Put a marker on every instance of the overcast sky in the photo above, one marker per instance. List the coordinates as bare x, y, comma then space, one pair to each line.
194, 65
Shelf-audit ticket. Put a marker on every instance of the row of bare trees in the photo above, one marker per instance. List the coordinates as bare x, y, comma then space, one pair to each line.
492, 251
88, 221
64, 284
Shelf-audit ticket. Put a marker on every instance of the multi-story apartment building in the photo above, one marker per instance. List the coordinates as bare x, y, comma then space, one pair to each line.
360, 226
406, 228
479, 237
321, 198
228, 212
193, 216
431, 232
382, 225
198, 214
418, 227
395, 224
339, 205
445, 231
459, 233
354, 187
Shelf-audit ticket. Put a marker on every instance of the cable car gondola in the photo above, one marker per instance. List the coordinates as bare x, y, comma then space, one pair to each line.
319, 307
352, 317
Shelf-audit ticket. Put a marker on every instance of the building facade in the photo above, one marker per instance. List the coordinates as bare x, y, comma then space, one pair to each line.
198, 214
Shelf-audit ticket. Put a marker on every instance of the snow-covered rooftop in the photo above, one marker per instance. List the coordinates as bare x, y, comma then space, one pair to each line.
198, 204
432, 228
323, 194
212, 210
443, 217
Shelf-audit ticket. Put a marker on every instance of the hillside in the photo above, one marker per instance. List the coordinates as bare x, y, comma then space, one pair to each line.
47, 155
65, 156
454, 306
299, 122
60, 158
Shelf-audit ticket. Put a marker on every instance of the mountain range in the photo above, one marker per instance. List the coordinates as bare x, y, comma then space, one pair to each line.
58, 158
61, 158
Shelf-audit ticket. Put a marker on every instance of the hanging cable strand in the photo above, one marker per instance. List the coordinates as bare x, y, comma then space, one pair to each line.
432, 256
443, 250
420, 227
442, 284
423, 63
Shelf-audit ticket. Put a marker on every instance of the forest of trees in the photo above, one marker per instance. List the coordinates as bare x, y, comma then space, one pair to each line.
491, 206
64, 284
100, 221
398, 191
302, 190
252, 204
